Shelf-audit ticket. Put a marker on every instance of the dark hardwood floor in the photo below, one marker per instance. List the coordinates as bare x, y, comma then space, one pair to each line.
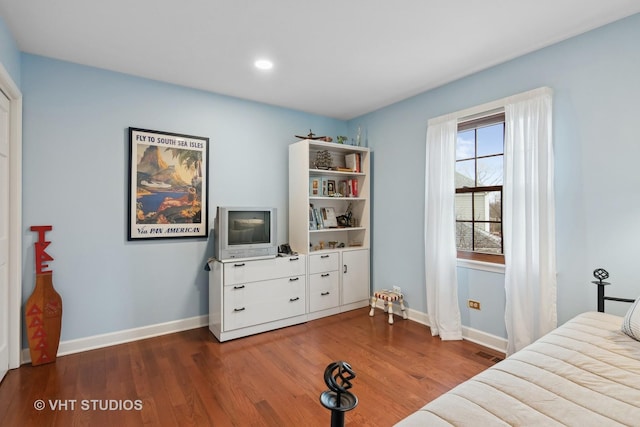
270, 379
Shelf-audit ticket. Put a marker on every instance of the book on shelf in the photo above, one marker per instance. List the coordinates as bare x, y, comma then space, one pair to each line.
352, 162
352, 187
313, 225
317, 215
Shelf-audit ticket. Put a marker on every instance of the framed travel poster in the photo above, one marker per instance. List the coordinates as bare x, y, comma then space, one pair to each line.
168, 185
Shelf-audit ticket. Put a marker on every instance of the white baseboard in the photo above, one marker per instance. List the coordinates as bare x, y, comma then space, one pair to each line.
485, 339
121, 337
491, 341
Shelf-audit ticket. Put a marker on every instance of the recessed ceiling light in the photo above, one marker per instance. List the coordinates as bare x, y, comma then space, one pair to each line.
263, 64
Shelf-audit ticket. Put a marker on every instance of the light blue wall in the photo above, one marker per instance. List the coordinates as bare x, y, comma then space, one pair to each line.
596, 81
75, 178
9, 53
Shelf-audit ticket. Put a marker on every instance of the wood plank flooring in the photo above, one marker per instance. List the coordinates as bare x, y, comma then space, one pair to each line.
270, 379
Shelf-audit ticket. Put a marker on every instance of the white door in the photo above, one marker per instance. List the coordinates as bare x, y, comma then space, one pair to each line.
4, 235
355, 276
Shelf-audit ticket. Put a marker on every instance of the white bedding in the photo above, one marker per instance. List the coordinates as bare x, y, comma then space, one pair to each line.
585, 373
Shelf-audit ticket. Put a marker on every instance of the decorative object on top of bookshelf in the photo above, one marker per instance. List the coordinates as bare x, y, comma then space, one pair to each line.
323, 160
341, 139
313, 136
359, 136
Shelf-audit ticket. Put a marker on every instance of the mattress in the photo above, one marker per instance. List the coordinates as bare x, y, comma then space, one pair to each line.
584, 373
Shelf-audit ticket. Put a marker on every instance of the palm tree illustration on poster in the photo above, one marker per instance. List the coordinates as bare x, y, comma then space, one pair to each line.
167, 184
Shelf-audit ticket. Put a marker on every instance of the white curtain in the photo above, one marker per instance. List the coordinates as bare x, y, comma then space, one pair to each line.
440, 230
529, 219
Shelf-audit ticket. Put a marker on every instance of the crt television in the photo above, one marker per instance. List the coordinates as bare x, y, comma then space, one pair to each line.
245, 232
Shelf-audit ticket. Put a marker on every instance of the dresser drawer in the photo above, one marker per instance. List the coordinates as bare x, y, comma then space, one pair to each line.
264, 269
323, 291
324, 262
261, 302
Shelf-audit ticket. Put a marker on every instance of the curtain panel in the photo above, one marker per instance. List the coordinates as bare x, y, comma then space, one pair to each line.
440, 230
529, 219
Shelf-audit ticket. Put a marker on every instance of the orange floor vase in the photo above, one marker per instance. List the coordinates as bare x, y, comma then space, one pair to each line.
43, 313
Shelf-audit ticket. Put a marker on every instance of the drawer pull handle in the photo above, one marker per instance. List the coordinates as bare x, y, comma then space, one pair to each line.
239, 309
325, 275
324, 256
324, 293
294, 299
239, 287
294, 259
239, 265
293, 279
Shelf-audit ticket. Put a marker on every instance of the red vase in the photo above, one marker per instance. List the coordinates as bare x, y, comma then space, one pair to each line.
43, 315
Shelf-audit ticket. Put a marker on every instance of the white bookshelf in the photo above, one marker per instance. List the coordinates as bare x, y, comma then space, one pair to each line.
338, 275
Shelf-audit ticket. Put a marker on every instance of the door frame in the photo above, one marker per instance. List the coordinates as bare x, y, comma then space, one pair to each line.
10, 89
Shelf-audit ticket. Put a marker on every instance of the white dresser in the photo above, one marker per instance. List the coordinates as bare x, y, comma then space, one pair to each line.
256, 295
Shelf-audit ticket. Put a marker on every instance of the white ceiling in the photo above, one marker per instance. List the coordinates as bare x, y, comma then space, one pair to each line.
338, 58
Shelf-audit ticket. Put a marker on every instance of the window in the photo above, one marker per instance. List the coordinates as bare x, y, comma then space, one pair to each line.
478, 181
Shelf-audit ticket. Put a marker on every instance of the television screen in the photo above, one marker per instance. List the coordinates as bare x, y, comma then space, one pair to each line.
249, 227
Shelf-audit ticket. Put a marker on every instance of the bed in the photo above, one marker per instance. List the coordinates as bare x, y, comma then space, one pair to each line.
584, 373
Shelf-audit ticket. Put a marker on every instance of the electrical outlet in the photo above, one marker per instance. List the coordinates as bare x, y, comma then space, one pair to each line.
474, 304
397, 289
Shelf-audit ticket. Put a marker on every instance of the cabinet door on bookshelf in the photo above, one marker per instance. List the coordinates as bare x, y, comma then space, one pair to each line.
355, 276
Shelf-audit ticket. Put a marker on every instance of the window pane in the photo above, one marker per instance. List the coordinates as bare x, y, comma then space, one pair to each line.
495, 205
490, 140
464, 210
490, 171
465, 145
464, 236
465, 174
486, 241
481, 206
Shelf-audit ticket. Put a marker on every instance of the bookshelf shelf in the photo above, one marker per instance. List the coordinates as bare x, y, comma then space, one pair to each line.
329, 198
322, 172
337, 229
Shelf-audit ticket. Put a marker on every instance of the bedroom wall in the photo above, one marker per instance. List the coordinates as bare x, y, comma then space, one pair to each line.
596, 84
75, 178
